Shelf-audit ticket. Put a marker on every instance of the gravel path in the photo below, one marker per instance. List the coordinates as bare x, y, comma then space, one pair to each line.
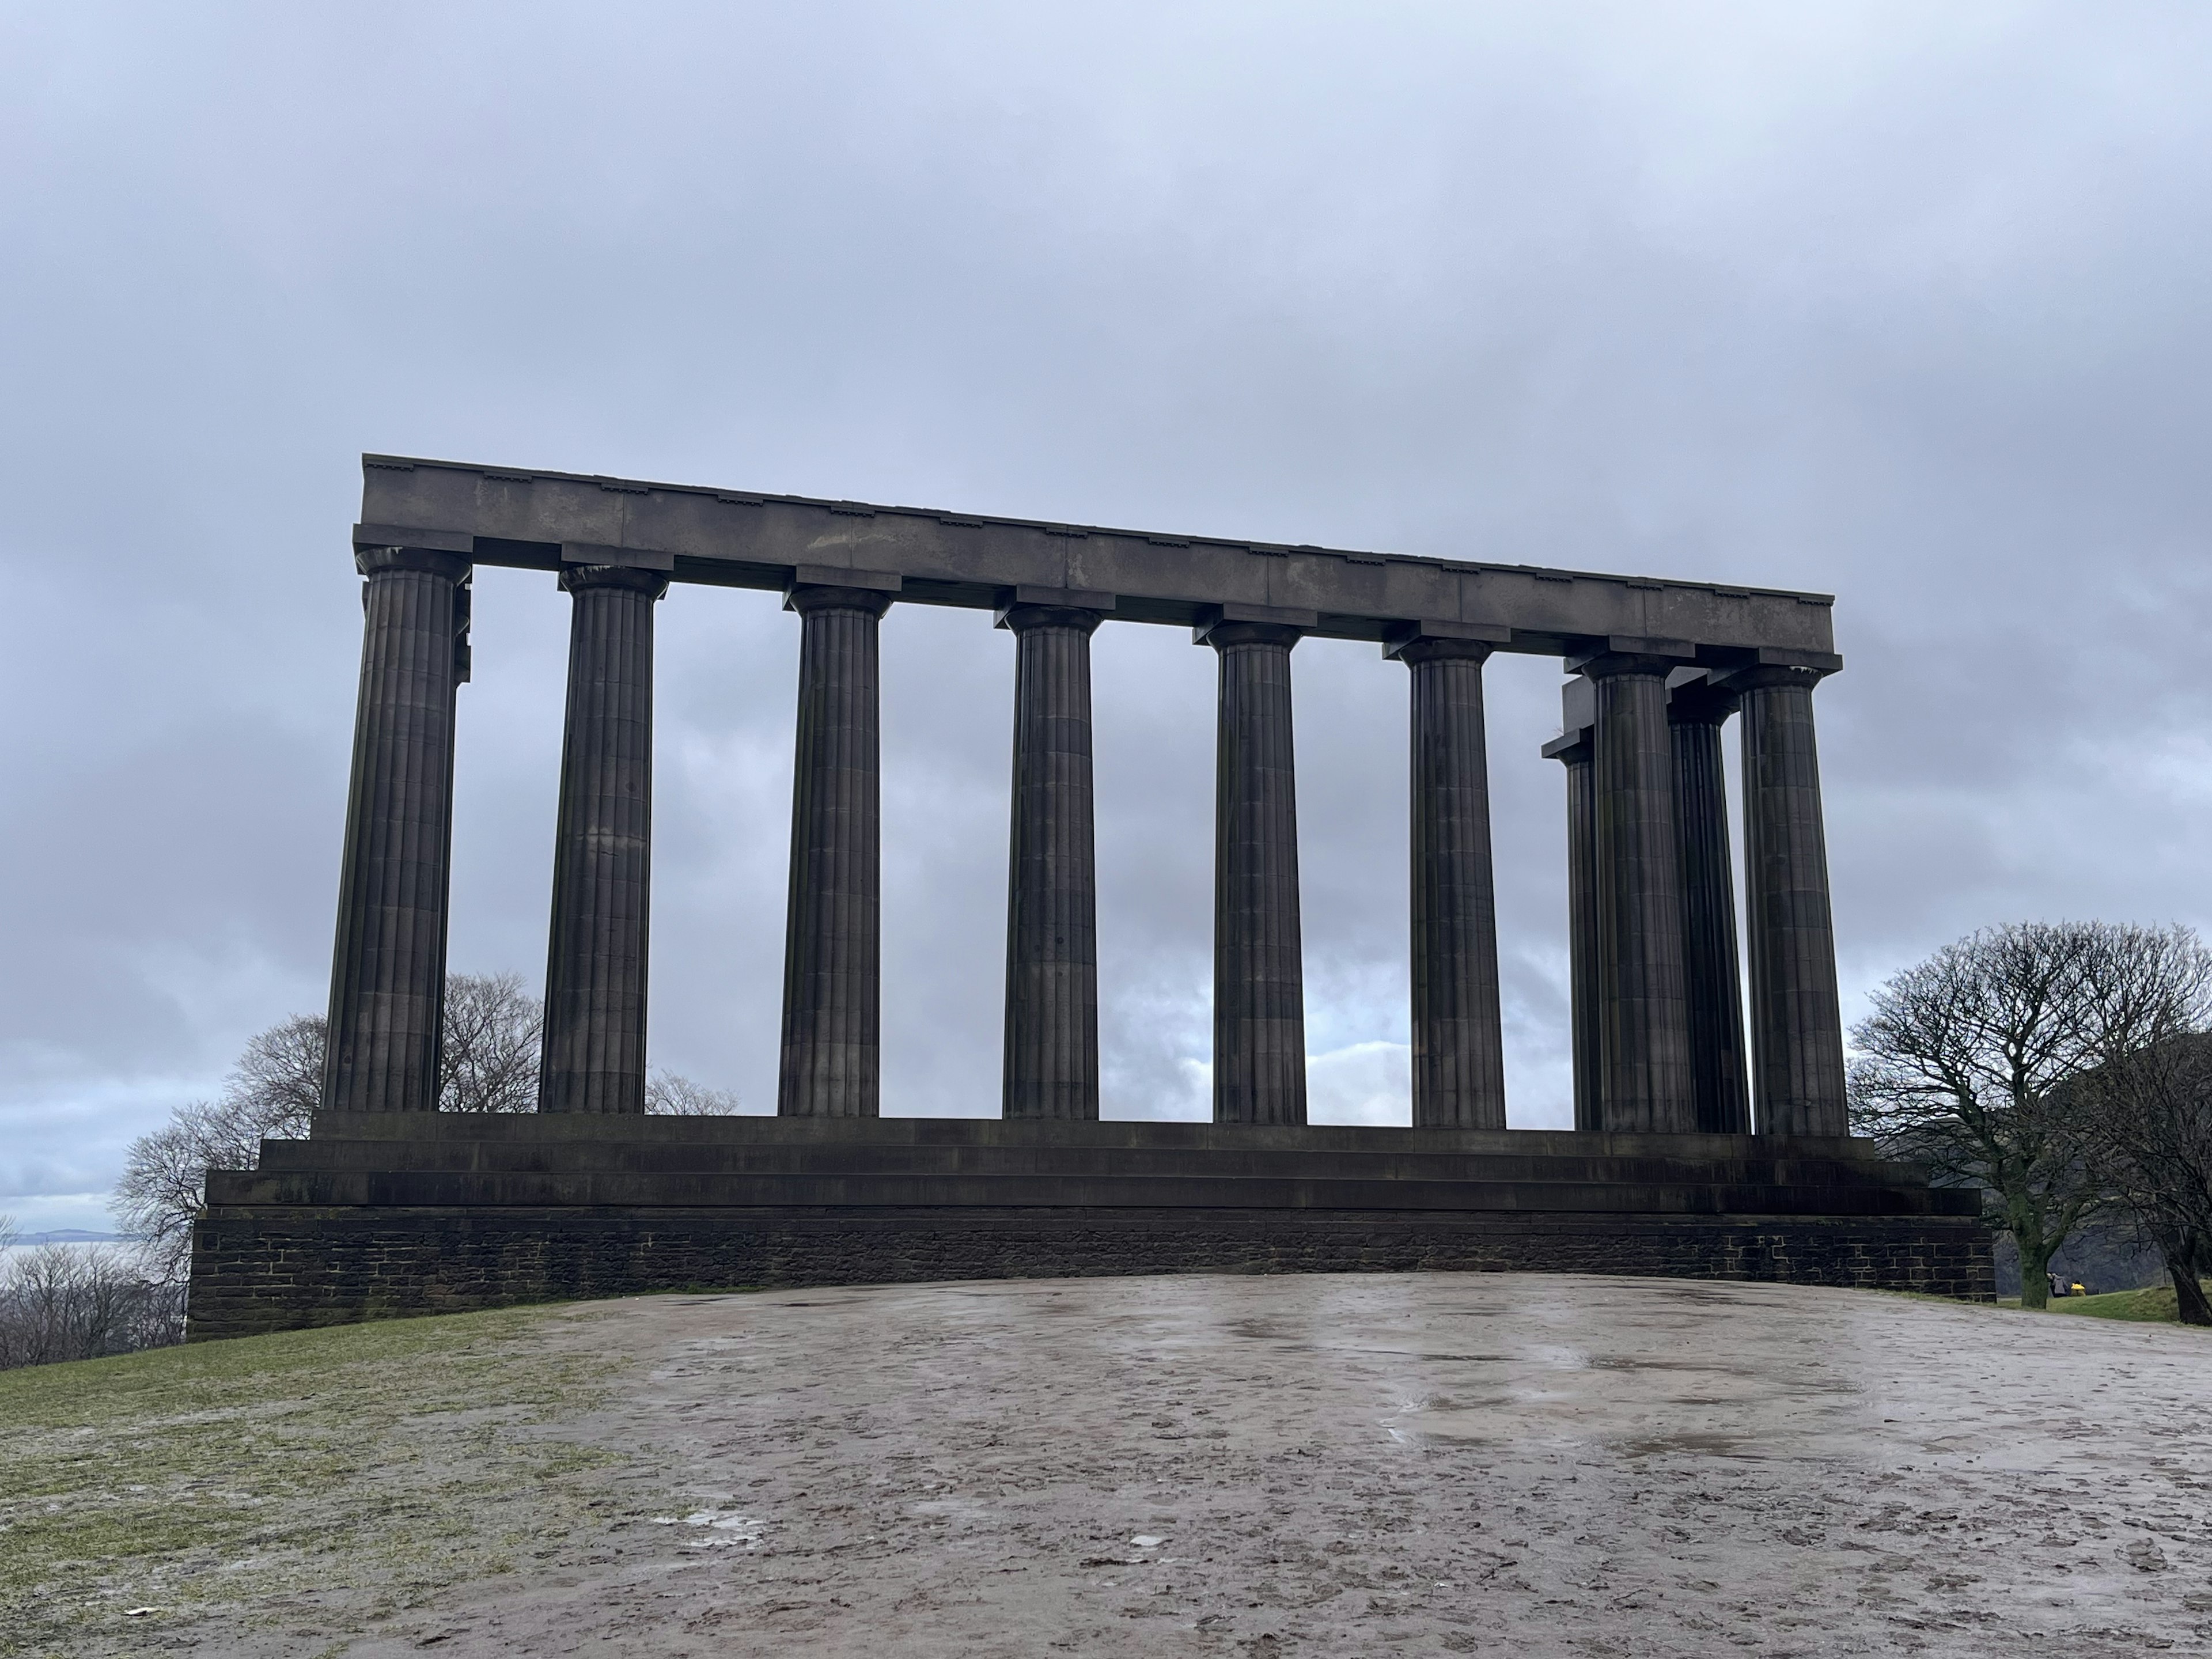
1338, 1466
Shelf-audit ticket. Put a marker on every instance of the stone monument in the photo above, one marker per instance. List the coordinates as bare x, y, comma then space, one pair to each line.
1700, 1147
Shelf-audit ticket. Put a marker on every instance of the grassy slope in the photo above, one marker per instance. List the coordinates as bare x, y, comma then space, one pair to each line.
2153, 1305
388, 1459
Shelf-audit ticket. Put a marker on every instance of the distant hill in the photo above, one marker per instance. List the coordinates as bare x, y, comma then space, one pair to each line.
68, 1236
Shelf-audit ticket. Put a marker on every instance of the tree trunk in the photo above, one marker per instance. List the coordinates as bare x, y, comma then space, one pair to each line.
2034, 1273
2189, 1297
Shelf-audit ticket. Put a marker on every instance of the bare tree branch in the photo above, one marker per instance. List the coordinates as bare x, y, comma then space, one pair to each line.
1958, 1063
667, 1095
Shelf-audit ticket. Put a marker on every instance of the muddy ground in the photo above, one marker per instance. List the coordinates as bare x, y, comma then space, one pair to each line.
1338, 1465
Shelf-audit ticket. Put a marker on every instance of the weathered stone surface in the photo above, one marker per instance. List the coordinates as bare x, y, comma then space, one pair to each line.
596, 959
1643, 1011
1258, 973
254, 1273
1051, 1065
1574, 750
1797, 1024
833, 931
1459, 1049
388, 966
743, 538
1721, 1101
449, 1209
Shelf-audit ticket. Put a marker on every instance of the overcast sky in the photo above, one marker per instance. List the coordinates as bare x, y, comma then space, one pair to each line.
1907, 303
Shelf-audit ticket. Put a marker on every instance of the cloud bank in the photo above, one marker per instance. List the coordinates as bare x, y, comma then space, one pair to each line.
1896, 302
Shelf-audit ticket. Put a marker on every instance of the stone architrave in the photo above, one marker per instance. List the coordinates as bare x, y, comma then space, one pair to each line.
1576, 749
1796, 1025
1051, 1062
1458, 1059
1259, 984
831, 1063
595, 971
1643, 1021
388, 966
1696, 710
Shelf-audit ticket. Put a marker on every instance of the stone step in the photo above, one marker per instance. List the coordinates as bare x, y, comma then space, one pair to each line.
419, 1126
570, 1154
449, 1189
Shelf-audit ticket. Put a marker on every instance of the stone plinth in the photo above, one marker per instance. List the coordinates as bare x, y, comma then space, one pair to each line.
475, 1211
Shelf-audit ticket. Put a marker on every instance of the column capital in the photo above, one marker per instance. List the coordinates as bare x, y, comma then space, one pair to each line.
1021, 609
1700, 700
1570, 748
809, 597
1228, 625
1223, 636
375, 561
1412, 643
651, 583
1577, 742
1765, 676
1025, 607
1621, 655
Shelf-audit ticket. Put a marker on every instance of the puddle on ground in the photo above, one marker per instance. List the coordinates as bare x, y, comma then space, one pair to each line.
715, 1529
1698, 1445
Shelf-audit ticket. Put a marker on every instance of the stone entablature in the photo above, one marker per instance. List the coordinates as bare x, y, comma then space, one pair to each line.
743, 538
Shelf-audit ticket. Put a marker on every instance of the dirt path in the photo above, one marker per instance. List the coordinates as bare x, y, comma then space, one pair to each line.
1364, 1465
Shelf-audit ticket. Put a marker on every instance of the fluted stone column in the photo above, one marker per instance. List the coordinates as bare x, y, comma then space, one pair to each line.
1458, 1059
1695, 713
595, 967
833, 934
1577, 750
1643, 1020
388, 968
1797, 1026
1052, 891
1259, 983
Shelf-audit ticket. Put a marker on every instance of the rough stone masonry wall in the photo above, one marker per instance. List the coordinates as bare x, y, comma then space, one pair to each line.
279, 1270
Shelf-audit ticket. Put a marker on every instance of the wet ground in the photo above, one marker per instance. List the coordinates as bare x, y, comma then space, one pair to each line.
1454, 1463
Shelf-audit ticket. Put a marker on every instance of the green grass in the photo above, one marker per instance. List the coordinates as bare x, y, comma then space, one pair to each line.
393, 1458
2153, 1305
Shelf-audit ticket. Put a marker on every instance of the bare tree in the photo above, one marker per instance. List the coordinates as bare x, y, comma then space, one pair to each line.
667, 1095
82, 1302
2148, 1103
270, 1094
164, 1174
489, 1065
279, 1077
2151, 1113
1958, 1063
492, 1033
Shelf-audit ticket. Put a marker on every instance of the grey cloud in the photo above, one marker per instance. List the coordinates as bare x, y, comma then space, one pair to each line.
1898, 302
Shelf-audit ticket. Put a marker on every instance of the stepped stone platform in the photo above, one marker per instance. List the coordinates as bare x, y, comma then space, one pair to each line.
387, 1213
